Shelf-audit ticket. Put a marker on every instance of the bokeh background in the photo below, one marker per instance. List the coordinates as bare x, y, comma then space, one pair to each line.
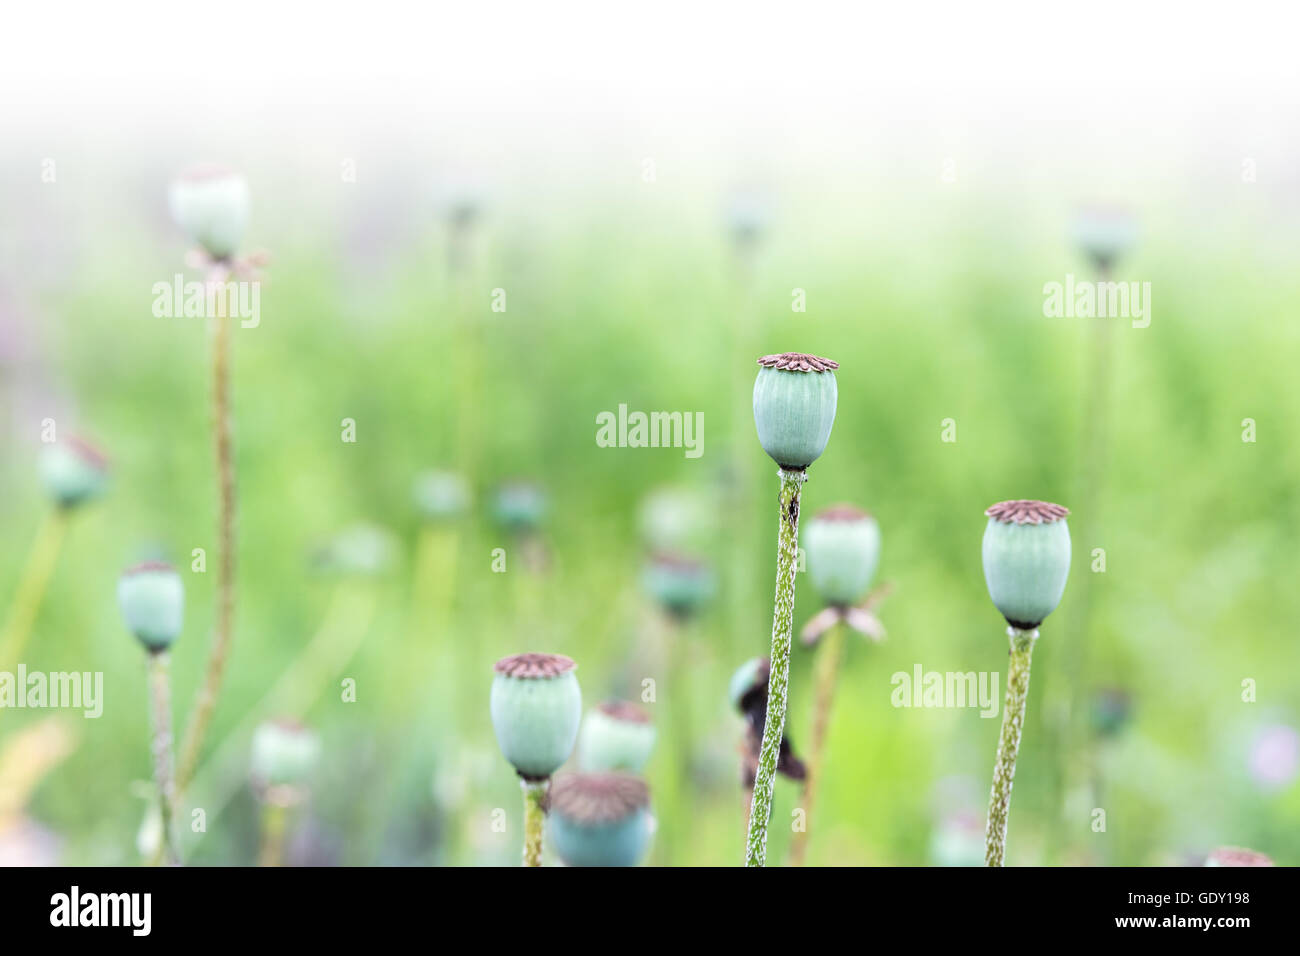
921, 220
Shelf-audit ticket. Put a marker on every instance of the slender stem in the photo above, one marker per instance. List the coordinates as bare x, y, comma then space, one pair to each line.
534, 792
160, 699
206, 700
1013, 723
275, 819
31, 587
779, 680
828, 670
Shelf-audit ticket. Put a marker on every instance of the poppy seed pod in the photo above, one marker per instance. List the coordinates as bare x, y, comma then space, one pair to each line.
1236, 856
73, 472
843, 548
749, 678
794, 407
152, 599
1026, 560
284, 754
599, 819
211, 204
536, 707
616, 736
441, 495
680, 584
519, 506
1104, 234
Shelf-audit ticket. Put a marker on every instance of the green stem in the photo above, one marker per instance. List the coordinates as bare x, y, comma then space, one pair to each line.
160, 699
828, 670
32, 587
275, 821
534, 792
1013, 723
206, 701
779, 680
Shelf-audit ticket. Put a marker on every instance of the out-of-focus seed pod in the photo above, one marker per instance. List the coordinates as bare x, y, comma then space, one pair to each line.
73, 471
682, 585
284, 754
616, 736
211, 204
519, 506
599, 819
1236, 856
843, 548
442, 495
152, 599
1104, 234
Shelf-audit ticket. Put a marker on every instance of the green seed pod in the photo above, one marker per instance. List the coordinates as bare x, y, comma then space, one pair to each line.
441, 495
536, 707
211, 204
794, 407
1026, 560
1111, 708
152, 599
284, 754
362, 549
1236, 856
680, 584
519, 506
599, 819
616, 736
750, 677
676, 519
1104, 234
73, 472
843, 548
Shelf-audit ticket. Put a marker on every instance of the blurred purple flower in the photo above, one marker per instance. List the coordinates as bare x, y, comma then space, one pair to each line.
1275, 757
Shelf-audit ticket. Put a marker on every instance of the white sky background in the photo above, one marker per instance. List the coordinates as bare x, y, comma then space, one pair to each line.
1013, 91
660, 62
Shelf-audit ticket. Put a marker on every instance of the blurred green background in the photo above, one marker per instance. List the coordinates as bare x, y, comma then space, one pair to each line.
626, 292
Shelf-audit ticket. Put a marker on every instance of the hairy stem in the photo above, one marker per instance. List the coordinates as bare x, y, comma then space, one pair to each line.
828, 671
534, 793
1013, 723
206, 701
779, 680
161, 710
31, 587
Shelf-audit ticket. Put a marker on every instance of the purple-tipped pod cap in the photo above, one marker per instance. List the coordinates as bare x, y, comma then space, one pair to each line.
794, 407
1026, 559
1236, 856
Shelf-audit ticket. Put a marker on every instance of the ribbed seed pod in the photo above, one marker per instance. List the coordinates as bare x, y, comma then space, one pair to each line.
599, 819
536, 707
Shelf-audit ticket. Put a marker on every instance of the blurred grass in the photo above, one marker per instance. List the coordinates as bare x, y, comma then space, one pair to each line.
933, 313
